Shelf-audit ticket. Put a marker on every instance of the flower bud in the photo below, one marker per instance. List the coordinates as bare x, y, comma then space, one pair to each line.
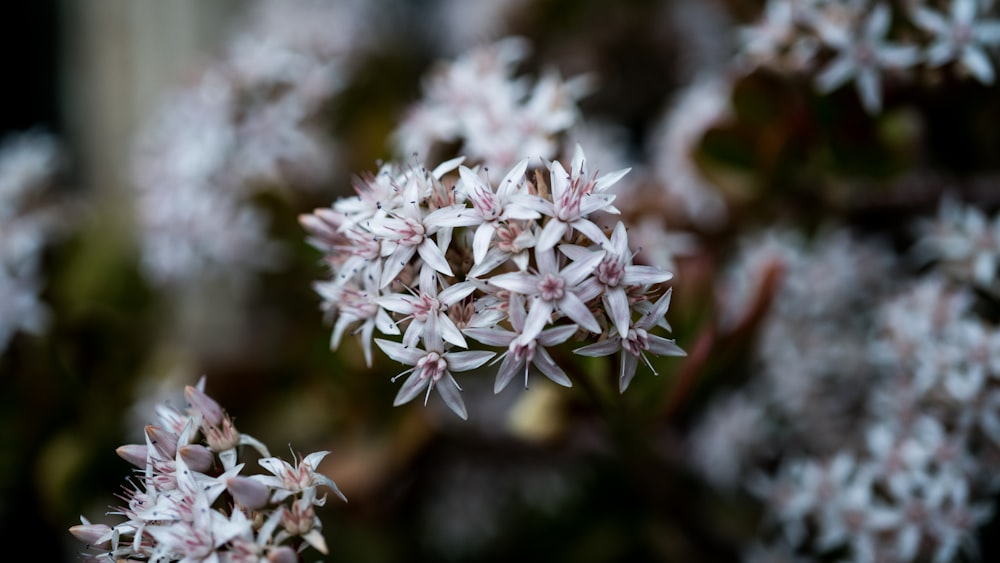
210, 410
136, 454
250, 493
283, 554
93, 534
197, 457
164, 442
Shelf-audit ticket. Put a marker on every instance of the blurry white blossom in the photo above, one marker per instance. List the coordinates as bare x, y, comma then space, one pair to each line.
30, 163
961, 240
249, 122
496, 116
962, 36
863, 54
697, 108
913, 479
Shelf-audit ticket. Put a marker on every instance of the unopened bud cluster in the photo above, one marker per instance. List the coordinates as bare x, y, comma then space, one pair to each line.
439, 264
190, 501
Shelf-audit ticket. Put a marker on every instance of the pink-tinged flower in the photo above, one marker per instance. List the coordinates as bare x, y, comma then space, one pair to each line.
522, 352
489, 209
615, 274
862, 55
553, 290
301, 520
405, 232
288, 479
427, 311
432, 369
349, 250
358, 307
575, 195
513, 240
963, 37
634, 346
185, 525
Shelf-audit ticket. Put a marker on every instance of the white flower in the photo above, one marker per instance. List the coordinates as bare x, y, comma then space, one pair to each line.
615, 275
576, 195
432, 369
637, 342
427, 311
522, 351
553, 289
862, 54
489, 209
962, 37
289, 480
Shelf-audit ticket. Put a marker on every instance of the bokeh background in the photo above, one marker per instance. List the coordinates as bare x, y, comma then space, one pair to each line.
787, 215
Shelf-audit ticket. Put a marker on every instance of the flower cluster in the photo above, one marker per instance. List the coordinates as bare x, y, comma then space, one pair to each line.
919, 477
519, 266
29, 164
478, 101
849, 41
871, 425
962, 241
249, 120
190, 501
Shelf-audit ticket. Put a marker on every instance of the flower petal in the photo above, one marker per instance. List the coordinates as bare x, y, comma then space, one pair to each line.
400, 353
491, 336
434, 257
481, 241
557, 335
449, 390
453, 216
518, 282
545, 364
603, 348
465, 361
412, 387
508, 369
664, 346
551, 233
618, 311
645, 275
576, 309
628, 366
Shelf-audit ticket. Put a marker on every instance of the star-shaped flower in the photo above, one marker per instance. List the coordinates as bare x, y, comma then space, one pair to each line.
634, 346
432, 369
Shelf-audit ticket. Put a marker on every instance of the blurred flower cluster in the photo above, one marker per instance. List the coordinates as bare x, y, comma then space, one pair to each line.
30, 167
786, 210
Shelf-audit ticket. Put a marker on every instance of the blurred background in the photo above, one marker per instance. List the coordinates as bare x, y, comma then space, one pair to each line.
157, 157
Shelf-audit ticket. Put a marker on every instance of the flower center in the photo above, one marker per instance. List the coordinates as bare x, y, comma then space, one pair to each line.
486, 204
432, 366
425, 306
610, 271
522, 351
637, 341
412, 233
552, 287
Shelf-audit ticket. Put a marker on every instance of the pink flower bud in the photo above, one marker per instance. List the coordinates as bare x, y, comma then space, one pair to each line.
164, 442
197, 457
210, 411
91, 534
250, 493
283, 554
133, 453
